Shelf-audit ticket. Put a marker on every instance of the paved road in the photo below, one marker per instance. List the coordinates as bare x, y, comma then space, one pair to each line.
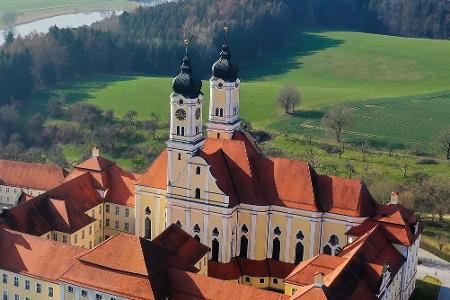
436, 267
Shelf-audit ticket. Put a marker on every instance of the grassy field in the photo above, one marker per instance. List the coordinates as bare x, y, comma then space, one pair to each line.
398, 88
30, 10
429, 237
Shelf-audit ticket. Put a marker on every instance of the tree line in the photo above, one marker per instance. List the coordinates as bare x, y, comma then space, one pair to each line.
150, 39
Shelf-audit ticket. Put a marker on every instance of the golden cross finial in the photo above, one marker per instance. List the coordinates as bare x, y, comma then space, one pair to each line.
186, 44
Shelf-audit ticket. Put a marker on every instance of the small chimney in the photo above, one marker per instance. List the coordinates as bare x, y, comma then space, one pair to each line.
394, 198
318, 279
95, 152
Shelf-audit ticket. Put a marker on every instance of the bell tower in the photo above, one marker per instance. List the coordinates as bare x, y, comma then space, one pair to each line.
224, 93
186, 135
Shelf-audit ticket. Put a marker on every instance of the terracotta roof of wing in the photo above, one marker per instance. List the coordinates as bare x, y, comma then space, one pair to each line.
34, 256
156, 174
30, 175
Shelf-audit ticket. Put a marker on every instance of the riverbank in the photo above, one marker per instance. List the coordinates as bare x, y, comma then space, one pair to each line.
30, 15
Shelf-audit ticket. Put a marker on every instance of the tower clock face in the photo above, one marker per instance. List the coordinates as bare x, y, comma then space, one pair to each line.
180, 114
197, 113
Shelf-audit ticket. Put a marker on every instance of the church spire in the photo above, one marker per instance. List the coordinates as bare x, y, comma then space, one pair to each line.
224, 89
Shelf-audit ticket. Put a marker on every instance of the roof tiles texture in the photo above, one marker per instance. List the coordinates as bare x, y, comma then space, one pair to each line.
34, 256
354, 274
246, 176
30, 175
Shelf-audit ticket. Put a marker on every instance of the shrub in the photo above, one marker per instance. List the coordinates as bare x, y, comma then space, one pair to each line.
427, 161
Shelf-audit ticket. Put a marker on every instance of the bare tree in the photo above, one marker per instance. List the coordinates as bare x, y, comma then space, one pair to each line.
55, 106
288, 98
441, 239
403, 163
433, 196
336, 120
130, 116
443, 141
152, 124
350, 169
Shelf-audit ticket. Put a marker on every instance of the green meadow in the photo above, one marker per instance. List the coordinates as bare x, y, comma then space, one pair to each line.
398, 88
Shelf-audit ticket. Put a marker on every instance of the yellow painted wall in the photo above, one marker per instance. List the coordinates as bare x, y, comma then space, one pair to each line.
21, 289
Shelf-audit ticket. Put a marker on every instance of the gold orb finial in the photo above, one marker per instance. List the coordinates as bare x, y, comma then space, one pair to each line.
186, 42
226, 28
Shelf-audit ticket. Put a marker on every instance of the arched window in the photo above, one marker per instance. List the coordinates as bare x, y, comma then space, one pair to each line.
332, 247
215, 232
300, 235
218, 135
221, 112
244, 228
178, 130
277, 231
298, 253
182, 130
197, 170
197, 193
276, 249
327, 249
217, 111
196, 228
196, 129
244, 247
179, 156
178, 223
148, 228
197, 238
148, 211
215, 250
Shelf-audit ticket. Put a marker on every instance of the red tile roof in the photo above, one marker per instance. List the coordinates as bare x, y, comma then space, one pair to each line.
239, 267
62, 208
179, 241
95, 163
156, 174
398, 222
354, 274
35, 176
118, 184
34, 256
134, 267
187, 286
246, 176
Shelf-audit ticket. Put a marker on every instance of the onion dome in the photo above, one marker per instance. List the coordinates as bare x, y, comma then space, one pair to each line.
186, 83
224, 67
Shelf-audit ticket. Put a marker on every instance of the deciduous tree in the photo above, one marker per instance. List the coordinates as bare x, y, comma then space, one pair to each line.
288, 98
337, 120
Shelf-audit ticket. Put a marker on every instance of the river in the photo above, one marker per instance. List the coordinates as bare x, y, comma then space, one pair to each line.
62, 21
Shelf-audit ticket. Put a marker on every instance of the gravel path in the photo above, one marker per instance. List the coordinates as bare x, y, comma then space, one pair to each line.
435, 267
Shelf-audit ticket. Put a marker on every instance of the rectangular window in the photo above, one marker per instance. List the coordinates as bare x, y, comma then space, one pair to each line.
27, 298
16, 281
117, 210
38, 288
261, 280
5, 295
275, 281
100, 210
5, 278
107, 208
90, 229
70, 289
127, 227
84, 293
82, 234
247, 279
90, 245
16, 297
75, 239
127, 212
55, 236
98, 297
50, 291
27, 284
116, 225
107, 222
64, 239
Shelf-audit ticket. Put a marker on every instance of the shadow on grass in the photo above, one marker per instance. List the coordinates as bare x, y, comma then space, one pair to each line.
288, 56
73, 92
